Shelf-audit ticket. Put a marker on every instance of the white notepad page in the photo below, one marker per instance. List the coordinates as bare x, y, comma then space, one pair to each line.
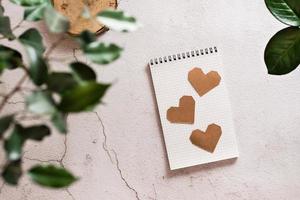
170, 80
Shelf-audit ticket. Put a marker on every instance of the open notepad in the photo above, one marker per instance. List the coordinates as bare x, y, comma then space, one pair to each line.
194, 107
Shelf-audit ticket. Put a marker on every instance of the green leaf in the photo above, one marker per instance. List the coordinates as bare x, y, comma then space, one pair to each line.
59, 121
14, 143
9, 58
12, 172
51, 176
5, 122
282, 51
35, 13
5, 28
33, 42
86, 37
41, 102
60, 82
82, 97
286, 11
1, 11
56, 22
36, 132
83, 72
102, 54
28, 2
117, 20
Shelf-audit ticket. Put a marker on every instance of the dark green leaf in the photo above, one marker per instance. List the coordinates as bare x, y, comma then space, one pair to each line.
14, 143
35, 132
1, 11
60, 82
5, 28
83, 72
29, 2
59, 121
56, 22
82, 97
9, 58
282, 51
5, 123
38, 71
33, 42
86, 37
117, 20
41, 102
286, 11
101, 53
51, 176
12, 172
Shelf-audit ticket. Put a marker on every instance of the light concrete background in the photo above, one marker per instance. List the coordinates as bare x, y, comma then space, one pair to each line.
118, 151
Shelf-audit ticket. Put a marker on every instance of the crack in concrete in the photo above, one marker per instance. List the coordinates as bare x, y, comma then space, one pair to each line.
122, 176
155, 193
60, 161
69, 193
104, 143
117, 163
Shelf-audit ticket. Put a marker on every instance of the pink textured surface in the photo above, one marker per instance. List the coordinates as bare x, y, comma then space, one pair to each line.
266, 112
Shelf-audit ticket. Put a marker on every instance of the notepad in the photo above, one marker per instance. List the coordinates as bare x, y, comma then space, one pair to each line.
194, 107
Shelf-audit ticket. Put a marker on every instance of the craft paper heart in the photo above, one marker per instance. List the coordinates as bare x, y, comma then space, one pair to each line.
183, 114
203, 83
207, 140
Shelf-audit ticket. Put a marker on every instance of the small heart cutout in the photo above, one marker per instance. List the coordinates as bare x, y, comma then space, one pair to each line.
207, 140
203, 83
183, 114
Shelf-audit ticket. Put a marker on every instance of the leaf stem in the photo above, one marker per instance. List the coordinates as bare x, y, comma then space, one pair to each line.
54, 46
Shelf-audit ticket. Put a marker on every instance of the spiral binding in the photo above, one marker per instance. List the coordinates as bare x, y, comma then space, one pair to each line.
182, 56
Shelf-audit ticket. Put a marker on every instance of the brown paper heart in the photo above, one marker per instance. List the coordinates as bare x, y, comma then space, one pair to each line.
184, 113
207, 140
203, 83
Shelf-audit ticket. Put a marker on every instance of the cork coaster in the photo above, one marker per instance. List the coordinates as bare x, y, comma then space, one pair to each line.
73, 11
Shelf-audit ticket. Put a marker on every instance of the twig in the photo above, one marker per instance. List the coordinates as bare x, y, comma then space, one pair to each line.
12, 92
54, 45
18, 25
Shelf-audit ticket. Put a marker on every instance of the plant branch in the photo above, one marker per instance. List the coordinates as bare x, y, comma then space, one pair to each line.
12, 92
54, 46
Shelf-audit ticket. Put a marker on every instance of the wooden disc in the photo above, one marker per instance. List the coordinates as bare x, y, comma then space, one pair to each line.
73, 9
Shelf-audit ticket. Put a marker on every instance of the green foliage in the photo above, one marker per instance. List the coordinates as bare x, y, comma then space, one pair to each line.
33, 42
5, 28
83, 72
282, 53
60, 82
9, 58
82, 97
101, 53
56, 94
51, 176
12, 172
5, 123
118, 21
286, 11
56, 22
